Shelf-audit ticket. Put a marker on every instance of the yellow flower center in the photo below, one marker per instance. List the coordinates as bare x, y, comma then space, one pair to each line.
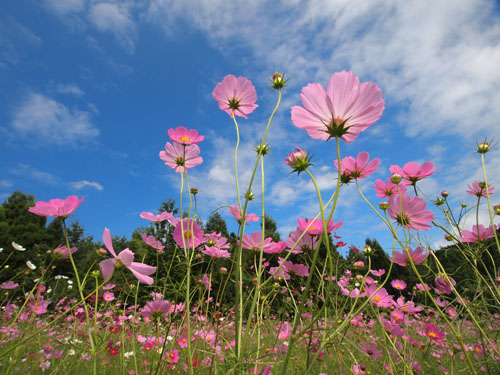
188, 235
185, 139
376, 298
432, 334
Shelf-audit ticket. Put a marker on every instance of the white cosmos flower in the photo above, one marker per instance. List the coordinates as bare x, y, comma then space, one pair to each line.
17, 247
30, 265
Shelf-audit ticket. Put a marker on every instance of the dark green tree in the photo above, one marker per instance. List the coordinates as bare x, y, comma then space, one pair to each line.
217, 224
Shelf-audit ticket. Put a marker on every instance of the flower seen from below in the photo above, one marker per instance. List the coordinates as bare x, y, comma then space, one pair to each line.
357, 168
478, 189
236, 212
254, 242
62, 251
298, 160
180, 157
410, 212
478, 234
344, 109
153, 242
124, 259
403, 258
184, 136
235, 95
56, 207
413, 172
156, 218
188, 234
388, 189
316, 226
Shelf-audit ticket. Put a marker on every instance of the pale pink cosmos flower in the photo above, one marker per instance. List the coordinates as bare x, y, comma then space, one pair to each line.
380, 298
184, 136
156, 218
344, 109
125, 258
413, 172
56, 207
108, 296
254, 242
160, 308
9, 285
153, 242
478, 234
62, 251
306, 243
388, 189
216, 246
316, 227
478, 189
289, 268
191, 231
403, 259
181, 157
398, 284
235, 95
276, 247
378, 273
357, 168
410, 212
371, 350
39, 307
236, 212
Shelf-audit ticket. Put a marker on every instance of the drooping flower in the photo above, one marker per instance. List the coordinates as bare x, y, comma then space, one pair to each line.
443, 285
410, 212
316, 227
17, 247
56, 207
9, 285
153, 242
181, 157
478, 189
478, 234
188, 234
357, 168
156, 218
236, 95
344, 109
414, 172
125, 258
403, 259
62, 251
388, 189
236, 212
184, 136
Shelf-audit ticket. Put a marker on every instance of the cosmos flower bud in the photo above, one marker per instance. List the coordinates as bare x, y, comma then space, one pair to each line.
396, 178
223, 270
278, 81
496, 208
383, 205
448, 237
359, 264
194, 190
299, 160
439, 202
463, 205
444, 194
483, 147
368, 250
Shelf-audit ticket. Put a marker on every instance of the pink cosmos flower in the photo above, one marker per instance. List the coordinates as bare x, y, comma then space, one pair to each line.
478, 234
403, 260
181, 157
357, 168
39, 307
388, 189
9, 285
108, 296
288, 269
157, 307
478, 189
414, 172
56, 207
156, 218
125, 258
216, 246
62, 251
276, 247
442, 284
378, 273
153, 242
236, 95
236, 212
433, 332
410, 212
371, 350
173, 357
254, 242
184, 136
306, 243
344, 109
398, 284
316, 227
380, 298
191, 232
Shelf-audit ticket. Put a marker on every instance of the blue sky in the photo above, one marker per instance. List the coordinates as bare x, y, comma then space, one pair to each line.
89, 89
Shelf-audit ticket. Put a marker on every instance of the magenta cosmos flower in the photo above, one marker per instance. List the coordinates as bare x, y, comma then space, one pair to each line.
410, 212
403, 259
125, 258
388, 189
344, 109
433, 332
357, 168
157, 309
56, 207
478, 234
62, 251
187, 234
184, 136
156, 218
444, 284
478, 189
414, 172
178, 156
235, 95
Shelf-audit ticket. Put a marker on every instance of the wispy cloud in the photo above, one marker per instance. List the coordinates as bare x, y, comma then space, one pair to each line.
27, 171
71, 88
78, 185
52, 122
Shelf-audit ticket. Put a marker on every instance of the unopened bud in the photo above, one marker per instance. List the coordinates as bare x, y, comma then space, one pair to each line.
444, 194
368, 250
102, 251
463, 205
439, 202
194, 190
448, 237
496, 208
278, 81
95, 274
359, 264
223, 270
395, 179
483, 147
383, 205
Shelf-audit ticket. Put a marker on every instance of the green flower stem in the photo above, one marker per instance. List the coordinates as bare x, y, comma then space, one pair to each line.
489, 202
339, 175
82, 299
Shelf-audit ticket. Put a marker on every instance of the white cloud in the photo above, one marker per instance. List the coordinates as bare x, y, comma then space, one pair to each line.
78, 185
114, 18
52, 121
26, 170
71, 88
65, 7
